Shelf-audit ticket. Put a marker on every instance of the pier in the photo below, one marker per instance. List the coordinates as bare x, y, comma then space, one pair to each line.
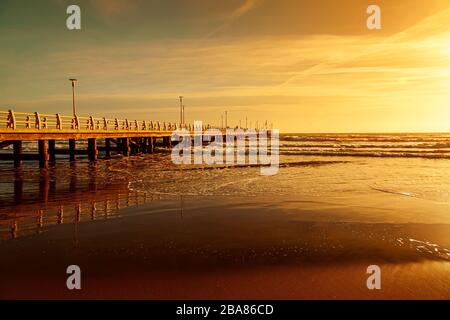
121, 136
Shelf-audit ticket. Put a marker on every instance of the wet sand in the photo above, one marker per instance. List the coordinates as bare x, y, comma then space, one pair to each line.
229, 248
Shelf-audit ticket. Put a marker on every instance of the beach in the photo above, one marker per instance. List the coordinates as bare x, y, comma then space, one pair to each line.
144, 228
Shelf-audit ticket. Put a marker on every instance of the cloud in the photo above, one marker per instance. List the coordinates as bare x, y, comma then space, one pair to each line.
246, 7
415, 53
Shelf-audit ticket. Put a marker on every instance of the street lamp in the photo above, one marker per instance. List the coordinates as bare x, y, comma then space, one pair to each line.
73, 96
226, 119
181, 109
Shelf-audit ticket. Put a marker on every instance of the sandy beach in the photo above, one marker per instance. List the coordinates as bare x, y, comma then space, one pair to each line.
223, 252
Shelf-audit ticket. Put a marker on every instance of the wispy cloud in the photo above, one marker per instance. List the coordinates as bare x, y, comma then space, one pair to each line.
418, 52
246, 7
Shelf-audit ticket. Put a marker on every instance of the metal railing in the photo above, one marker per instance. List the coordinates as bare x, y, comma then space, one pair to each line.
11, 120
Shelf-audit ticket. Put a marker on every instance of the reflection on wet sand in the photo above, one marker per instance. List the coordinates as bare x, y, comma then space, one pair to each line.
48, 203
223, 248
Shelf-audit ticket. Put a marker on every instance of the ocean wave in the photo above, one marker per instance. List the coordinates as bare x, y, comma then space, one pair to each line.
373, 150
401, 193
366, 138
439, 145
238, 166
338, 153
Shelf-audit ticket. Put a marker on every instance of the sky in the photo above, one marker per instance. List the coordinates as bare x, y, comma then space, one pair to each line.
305, 66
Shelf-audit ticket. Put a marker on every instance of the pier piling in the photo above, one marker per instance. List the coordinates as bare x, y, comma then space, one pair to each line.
43, 153
125, 146
92, 149
17, 146
152, 145
72, 149
107, 147
52, 151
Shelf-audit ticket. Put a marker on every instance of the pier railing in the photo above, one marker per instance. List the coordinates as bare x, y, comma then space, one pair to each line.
23, 121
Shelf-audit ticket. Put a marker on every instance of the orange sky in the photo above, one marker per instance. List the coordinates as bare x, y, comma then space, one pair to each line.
306, 67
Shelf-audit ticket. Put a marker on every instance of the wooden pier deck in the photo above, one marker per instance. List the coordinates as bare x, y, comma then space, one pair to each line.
120, 135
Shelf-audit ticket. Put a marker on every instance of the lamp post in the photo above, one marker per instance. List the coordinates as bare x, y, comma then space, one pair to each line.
226, 119
73, 96
181, 109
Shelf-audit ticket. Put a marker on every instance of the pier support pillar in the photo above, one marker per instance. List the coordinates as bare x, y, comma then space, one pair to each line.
92, 149
72, 150
151, 145
52, 150
167, 142
134, 148
125, 145
139, 145
108, 147
17, 145
43, 153
145, 145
